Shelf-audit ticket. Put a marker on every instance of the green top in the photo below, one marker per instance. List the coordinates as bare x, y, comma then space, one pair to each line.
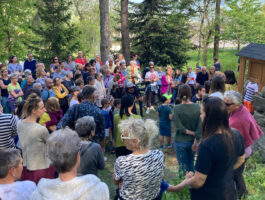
187, 116
116, 131
11, 87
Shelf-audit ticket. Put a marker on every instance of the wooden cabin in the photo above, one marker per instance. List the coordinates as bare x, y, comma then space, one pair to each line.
252, 59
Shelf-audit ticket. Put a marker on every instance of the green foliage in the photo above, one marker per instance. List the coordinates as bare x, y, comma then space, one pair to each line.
15, 18
183, 194
159, 32
57, 36
243, 22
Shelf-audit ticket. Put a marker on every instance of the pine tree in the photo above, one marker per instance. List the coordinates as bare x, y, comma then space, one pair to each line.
159, 32
57, 36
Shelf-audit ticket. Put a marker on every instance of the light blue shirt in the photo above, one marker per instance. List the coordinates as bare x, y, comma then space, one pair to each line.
14, 68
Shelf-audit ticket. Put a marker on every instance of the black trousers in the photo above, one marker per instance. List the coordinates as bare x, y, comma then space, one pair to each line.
150, 97
239, 180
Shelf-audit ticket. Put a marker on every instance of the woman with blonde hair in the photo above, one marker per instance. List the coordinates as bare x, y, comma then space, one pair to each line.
212, 74
167, 81
33, 137
41, 76
61, 93
139, 173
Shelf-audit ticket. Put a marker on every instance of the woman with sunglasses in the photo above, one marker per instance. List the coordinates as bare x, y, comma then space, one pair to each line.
140, 173
241, 119
220, 152
55, 61
127, 103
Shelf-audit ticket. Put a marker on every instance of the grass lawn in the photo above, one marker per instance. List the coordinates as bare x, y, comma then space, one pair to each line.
255, 170
227, 58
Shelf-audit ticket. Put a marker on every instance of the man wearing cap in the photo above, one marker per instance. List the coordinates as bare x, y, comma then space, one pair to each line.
134, 90
202, 76
132, 72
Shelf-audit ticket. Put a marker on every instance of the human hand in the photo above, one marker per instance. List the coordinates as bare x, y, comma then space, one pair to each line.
189, 175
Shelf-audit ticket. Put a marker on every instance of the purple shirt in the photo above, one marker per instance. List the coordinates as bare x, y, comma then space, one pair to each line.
107, 80
14, 68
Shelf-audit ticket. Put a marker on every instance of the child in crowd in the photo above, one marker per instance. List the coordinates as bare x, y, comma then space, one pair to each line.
117, 106
90, 80
55, 113
165, 117
251, 90
80, 97
105, 107
74, 92
200, 91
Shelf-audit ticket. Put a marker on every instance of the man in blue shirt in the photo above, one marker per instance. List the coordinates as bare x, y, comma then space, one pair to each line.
86, 108
47, 91
30, 63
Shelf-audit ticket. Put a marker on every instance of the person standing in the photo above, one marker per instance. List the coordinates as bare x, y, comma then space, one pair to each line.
132, 72
87, 107
186, 118
4, 82
14, 66
33, 137
15, 92
252, 89
217, 65
243, 121
191, 80
55, 61
61, 93
80, 59
202, 77
69, 63
30, 63
8, 130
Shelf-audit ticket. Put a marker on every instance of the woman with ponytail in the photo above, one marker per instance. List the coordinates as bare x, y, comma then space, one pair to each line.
186, 118
127, 103
33, 139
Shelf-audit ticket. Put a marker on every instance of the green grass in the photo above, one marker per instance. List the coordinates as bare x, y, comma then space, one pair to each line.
227, 58
254, 172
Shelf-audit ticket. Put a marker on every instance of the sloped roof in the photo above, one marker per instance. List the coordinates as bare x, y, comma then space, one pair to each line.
256, 51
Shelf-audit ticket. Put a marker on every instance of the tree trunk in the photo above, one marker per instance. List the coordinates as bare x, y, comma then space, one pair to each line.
125, 40
205, 48
104, 29
217, 28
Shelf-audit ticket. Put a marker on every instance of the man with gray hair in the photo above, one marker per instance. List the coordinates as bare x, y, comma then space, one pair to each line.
202, 76
29, 85
47, 91
86, 108
30, 63
63, 150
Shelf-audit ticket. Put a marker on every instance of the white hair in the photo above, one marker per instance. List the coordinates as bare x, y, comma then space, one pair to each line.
234, 96
143, 131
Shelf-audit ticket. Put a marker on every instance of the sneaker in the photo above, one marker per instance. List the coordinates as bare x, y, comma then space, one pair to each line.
169, 146
153, 109
105, 158
147, 111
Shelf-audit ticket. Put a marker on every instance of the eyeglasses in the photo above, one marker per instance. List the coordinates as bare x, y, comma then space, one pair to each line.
125, 138
229, 104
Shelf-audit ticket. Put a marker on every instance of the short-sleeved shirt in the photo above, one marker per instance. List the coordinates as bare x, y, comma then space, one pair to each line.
192, 77
11, 87
141, 175
151, 76
70, 66
20, 190
14, 68
217, 66
201, 78
214, 162
195, 99
164, 112
252, 88
81, 61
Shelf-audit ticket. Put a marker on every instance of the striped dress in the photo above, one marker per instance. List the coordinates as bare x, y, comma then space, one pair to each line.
8, 131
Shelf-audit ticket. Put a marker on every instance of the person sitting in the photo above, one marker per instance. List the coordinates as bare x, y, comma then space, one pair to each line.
11, 169
92, 157
41, 76
64, 152
58, 72
139, 173
200, 91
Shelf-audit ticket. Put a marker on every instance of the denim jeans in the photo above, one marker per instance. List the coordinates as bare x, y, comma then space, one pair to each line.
5, 105
185, 157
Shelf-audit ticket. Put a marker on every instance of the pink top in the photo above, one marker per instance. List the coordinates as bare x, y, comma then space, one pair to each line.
165, 84
244, 122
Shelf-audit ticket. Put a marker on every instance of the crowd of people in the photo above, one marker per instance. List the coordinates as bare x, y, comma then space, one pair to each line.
58, 122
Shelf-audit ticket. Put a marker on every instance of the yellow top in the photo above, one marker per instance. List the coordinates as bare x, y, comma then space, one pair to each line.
231, 87
44, 118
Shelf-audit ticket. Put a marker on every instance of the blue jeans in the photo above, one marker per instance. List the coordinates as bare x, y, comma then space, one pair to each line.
185, 157
5, 105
